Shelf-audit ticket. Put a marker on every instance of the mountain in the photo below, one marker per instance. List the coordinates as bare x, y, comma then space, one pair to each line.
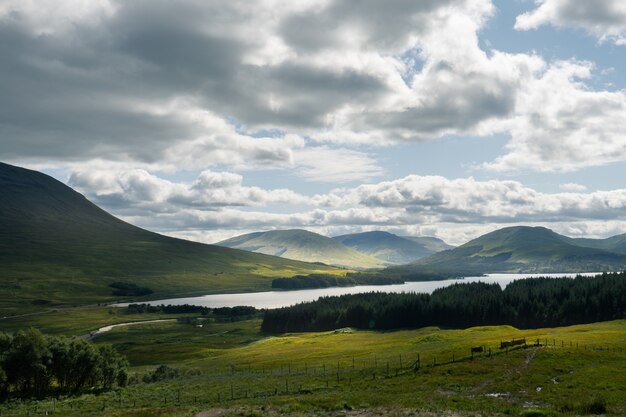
58, 247
303, 246
518, 249
431, 244
615, 244
391, 248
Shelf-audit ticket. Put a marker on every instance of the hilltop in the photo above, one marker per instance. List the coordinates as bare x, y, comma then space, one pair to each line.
58, 247
304, 246
521, 249
391, 248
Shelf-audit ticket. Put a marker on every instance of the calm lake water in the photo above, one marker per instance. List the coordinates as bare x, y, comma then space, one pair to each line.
276, 299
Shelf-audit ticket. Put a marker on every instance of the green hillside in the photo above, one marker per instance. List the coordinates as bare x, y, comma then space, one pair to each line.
391, 248
615, 244
57, 247
304, 246
432, 244
519, 249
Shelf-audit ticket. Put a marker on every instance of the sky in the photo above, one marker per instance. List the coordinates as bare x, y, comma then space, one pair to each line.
209, 119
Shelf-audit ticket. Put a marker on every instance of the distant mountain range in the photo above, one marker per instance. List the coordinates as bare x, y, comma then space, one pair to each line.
524, 249
303, 246
368, 250
391, 248
56, 246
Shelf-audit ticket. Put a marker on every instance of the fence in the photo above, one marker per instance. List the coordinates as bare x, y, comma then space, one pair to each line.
244, 382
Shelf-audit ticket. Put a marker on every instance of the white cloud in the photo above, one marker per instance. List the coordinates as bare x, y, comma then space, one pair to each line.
605, 19
138, 191
573, 187
335, 165
560, 124
217, 205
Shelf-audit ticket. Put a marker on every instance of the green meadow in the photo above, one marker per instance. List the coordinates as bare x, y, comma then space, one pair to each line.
231, 368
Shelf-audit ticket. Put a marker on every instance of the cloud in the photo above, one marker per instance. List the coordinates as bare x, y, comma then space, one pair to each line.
560, 124
604, 19
335, 165
217, 205
573, 187
189, 83
138, 192
192, 85
466, 200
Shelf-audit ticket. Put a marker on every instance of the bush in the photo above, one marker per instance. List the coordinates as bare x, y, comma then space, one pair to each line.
162, 373
595, 406
125, 289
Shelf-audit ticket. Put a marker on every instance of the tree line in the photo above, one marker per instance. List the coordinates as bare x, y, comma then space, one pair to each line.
236, 311
33, 364
299, 282
526, 303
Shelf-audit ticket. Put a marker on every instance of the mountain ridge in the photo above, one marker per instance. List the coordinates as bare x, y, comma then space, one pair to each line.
392, 248
521, 249
302, 245
58, 247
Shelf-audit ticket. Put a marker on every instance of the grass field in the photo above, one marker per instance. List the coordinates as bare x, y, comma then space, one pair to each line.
232, 366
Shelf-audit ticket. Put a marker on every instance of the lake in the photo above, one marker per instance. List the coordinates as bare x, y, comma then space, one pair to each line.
276, 299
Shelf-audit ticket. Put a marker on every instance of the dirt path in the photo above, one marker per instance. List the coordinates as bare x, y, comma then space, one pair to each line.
110, 327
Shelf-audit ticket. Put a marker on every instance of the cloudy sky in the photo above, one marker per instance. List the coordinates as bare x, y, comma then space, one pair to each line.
206, 119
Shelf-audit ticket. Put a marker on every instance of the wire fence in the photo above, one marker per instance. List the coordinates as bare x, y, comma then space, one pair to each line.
236, 382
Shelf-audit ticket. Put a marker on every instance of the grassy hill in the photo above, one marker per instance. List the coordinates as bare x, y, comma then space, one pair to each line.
615, 244
519, 249
304, 246
391, 248
432, 244
232, 368
58, 247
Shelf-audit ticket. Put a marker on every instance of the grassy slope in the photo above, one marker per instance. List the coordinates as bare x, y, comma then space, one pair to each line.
55, 245
431, 243
615, 244
389, 247
304, 246
568, 376
521, 249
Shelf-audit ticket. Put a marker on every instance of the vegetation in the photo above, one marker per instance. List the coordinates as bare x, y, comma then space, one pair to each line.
299, 282
126, 289
57, 248
233, 369
391, 248
32, 364
304, 246
527, 303
521, 249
